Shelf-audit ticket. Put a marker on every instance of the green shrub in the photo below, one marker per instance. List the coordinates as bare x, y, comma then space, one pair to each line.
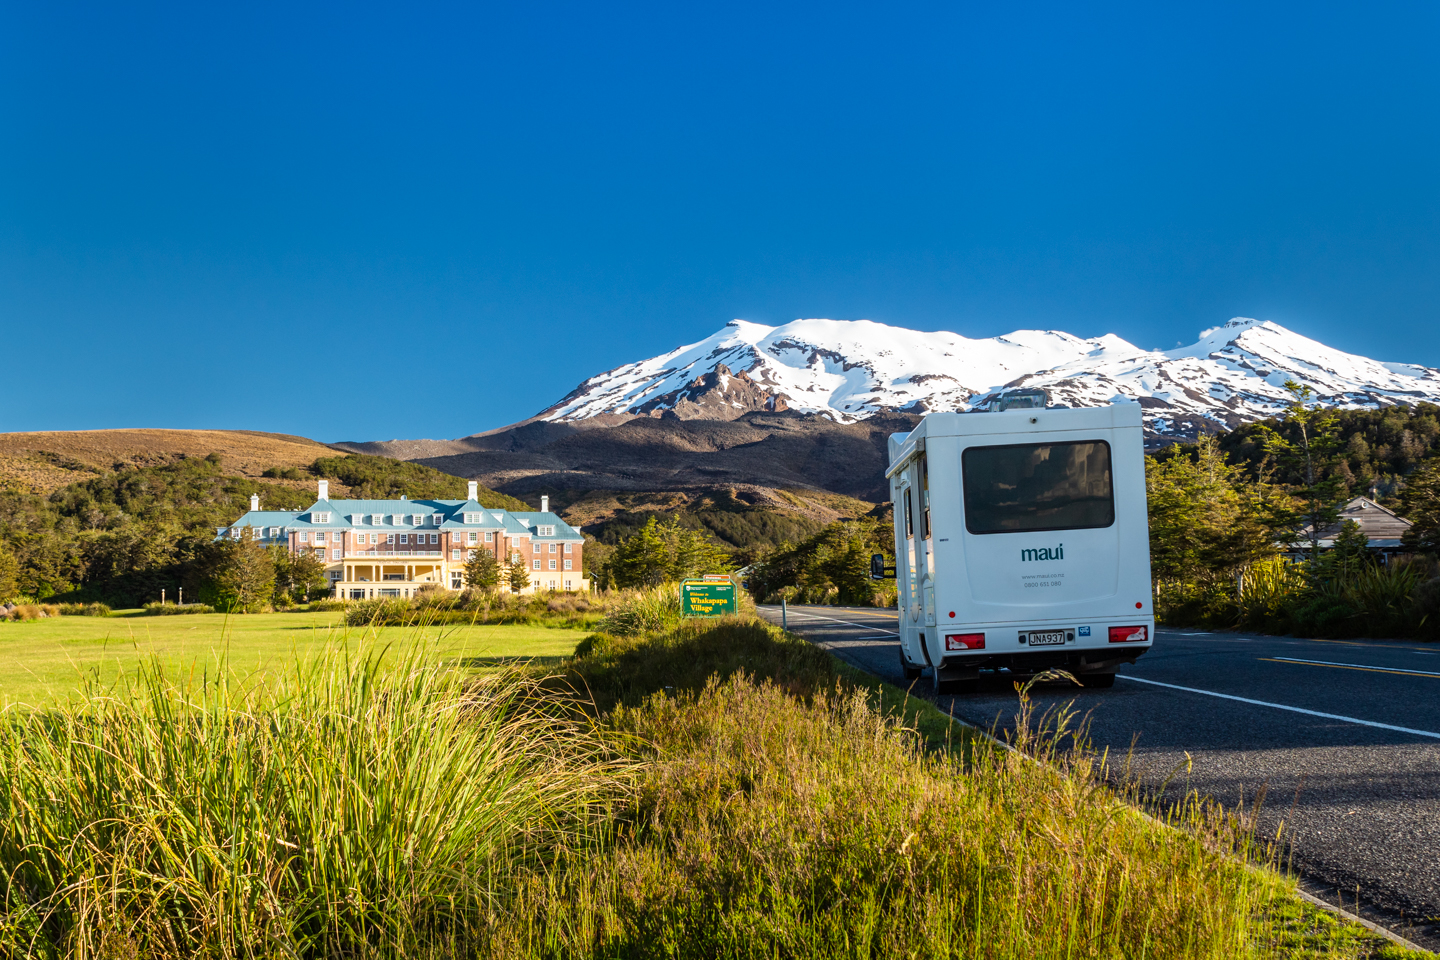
645, 611
176, 609
326, 606
84, 610
379, 611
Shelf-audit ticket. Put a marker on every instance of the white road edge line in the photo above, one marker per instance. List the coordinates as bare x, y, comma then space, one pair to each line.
1281, 706
1361, 666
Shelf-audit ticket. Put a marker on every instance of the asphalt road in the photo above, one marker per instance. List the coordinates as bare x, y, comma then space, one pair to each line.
1342, 738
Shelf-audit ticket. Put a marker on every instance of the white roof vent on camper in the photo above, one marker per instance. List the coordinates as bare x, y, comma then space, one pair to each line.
1026, 399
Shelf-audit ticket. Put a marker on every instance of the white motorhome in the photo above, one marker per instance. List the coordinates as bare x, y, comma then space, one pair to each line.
1022, 543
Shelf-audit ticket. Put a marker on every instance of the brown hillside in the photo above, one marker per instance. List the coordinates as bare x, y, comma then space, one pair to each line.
41, 462
784, 451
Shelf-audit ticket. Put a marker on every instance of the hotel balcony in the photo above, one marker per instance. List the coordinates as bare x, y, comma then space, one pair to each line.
391, 573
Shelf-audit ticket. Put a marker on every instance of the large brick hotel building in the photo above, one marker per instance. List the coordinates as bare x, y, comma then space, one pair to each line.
389, 548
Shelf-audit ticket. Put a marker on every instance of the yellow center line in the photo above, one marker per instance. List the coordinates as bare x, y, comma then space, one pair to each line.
1361, 643
1347, 666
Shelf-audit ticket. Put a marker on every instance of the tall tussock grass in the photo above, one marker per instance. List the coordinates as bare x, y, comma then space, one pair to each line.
784, 813
360, 806
730, 792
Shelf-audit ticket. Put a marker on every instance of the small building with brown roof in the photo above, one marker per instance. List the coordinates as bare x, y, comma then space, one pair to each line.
1381, 525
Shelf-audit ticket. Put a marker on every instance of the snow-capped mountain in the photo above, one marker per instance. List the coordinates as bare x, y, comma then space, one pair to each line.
851, 369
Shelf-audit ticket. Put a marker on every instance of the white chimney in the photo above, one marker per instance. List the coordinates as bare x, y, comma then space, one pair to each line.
324, 489
255, 502
474, 489
544, 504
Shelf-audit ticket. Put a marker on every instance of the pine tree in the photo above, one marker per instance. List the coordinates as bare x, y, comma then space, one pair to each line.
297, 575
518, 573
1205, 518
1420, 504
246, 576
1312, 458
482, 570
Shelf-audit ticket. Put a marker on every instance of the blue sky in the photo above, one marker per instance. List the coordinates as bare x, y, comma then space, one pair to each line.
365, 222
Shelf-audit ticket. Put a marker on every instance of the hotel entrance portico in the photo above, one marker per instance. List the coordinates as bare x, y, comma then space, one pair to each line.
389, 573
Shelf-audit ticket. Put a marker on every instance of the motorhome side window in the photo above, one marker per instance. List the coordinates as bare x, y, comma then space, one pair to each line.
1023, 487
925, 497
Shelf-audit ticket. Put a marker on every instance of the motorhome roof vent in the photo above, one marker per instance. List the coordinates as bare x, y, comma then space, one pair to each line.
1028, 399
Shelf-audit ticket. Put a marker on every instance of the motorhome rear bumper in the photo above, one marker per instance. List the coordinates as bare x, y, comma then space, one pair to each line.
1091, 660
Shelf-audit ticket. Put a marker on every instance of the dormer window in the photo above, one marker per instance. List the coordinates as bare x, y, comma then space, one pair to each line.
377, 518
397, 519
319, 518
474, 518
435, 519
417, 520
546, 530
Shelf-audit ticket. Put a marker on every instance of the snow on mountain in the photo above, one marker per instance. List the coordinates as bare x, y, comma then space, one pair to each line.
851, 369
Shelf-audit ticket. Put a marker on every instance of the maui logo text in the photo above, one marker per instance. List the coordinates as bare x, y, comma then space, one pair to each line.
1044, 553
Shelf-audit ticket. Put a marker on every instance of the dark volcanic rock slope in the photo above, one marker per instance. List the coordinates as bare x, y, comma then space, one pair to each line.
777, 450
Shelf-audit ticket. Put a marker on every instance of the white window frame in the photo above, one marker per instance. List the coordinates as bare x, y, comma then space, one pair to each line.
389, 538
320, 518
435, 538
397, 519
404, 538
568, 546
552, 564
474, 518
537, 563
376, 519
567, 564
304, 537
454, 553
471, 537
417, 520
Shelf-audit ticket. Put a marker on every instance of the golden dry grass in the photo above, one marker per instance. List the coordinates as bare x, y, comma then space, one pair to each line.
43, 461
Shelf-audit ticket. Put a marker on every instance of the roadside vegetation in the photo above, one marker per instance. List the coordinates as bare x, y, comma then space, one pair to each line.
831, 567
697, 790
1217, 521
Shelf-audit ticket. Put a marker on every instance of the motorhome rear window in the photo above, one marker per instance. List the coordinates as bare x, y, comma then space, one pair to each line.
1026, 487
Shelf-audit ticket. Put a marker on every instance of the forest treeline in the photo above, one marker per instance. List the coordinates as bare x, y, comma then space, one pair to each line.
123, 537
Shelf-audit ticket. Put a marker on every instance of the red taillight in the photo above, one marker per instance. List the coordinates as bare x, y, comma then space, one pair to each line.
964, 641
1129, 634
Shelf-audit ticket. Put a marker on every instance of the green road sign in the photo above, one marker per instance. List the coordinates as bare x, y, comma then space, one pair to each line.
707, 598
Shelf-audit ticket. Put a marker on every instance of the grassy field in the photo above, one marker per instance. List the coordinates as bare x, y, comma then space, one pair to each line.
692, 790
41, 660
